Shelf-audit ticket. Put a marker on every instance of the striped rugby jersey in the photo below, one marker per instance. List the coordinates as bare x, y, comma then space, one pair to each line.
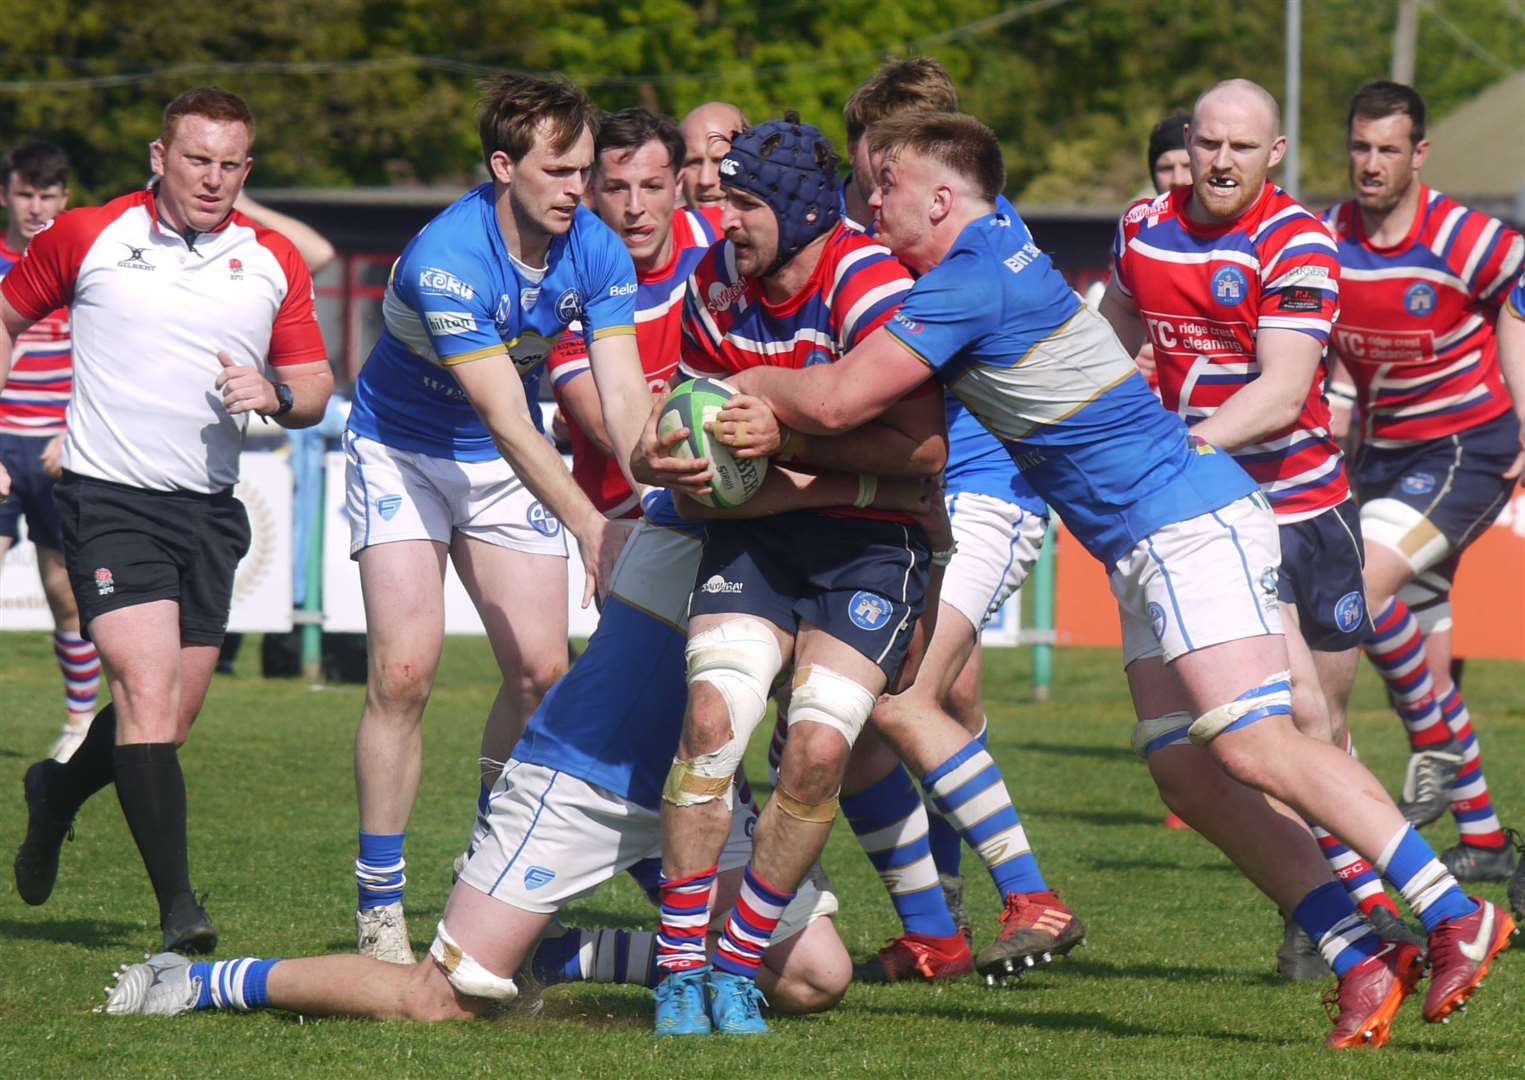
35, 398
1204, 293
729, 326
658, 317
1416, 325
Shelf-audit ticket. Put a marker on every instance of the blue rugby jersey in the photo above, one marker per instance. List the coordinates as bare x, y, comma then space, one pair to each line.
456, 295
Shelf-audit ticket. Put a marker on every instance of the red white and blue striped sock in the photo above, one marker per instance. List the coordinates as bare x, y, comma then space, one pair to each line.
81, 667
750, 926
1396, 650
1360, 879
1471, 805
685, 920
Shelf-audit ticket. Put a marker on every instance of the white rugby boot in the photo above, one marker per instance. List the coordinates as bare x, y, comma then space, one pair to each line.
160, 986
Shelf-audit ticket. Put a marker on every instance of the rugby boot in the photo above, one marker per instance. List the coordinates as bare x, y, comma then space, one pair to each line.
1427, 783
1369, 995
1390, 927
1298, 959
160, 986
187, 927
37, 859
1035, 927
69, 737
915, 956
382, 933
735, 1004
953, 896
681, 1005
1470, 863
1461, 952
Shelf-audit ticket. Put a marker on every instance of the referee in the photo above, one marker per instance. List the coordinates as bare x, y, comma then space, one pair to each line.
188, 318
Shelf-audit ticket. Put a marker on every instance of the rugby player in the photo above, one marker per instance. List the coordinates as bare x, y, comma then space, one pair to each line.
1424, 278
446, 457
34, 189
707, 133
836, 593
1235, 286
1144, 496
183, 315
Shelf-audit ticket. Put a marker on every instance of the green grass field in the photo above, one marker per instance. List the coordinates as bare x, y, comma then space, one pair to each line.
1177, 979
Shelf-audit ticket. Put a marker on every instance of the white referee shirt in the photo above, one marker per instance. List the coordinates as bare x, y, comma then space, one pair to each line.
150, 313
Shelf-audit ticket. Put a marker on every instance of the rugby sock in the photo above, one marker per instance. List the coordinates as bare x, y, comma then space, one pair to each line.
969, 791
890, 822
233, 984
89, 769
1396, 650
947, 844
1330, 919
151, 789
606, 956
379, 875
1471, 805
685, 919
750, 926
81, 668
1361, 881
1410, 864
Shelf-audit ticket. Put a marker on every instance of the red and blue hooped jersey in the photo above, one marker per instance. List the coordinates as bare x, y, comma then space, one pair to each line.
1204, 293
1416, 325
35, 399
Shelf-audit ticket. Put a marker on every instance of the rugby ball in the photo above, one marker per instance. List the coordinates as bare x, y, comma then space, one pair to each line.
693, 405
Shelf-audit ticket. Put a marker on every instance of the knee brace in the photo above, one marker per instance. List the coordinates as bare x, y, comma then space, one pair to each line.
823, 696
1428, 596
1273, 697
1158, 732
821, 813
1402, 528
465, 974
738, 658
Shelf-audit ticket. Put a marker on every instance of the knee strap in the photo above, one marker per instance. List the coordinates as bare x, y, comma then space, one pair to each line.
1158, 732
824, 697
1273, 697
465, 974
1402, 528
821, 813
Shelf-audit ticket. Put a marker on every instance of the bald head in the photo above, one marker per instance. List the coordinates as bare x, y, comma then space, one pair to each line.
707, 134
1248, 99
1233, 142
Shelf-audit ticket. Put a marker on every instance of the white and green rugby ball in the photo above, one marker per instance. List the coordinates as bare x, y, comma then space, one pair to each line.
693, 405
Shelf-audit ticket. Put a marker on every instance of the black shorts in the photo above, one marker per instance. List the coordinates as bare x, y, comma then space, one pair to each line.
1320, 575
861, 580
126, 546
31, 492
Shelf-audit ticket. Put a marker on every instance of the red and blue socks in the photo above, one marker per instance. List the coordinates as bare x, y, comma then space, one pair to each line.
750, 926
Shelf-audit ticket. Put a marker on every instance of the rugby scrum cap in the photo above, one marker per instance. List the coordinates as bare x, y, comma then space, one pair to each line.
791, 167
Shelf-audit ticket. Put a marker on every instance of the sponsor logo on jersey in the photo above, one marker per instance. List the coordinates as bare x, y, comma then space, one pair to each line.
542, 520
1419, 300
1230, 285
569, 306
1348, 611
718, 584
527, 298
450, 323
1383, 346
387, 506
722, 296
1205, 337
135, 258
627, 289
1419, 483
529, 352
443, 283
537, 877
1300, 298
868, 611
910, 325
104, 585
1024, 257
235, 270
1157, 620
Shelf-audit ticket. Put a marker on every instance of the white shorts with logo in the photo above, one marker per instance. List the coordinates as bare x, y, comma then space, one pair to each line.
998, 543
551, 838
1200, 582
404, 495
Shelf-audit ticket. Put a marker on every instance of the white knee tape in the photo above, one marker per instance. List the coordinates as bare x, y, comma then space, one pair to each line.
1403, 529
1272, 697
1428, 596
1158, 732
823, 696
465, 974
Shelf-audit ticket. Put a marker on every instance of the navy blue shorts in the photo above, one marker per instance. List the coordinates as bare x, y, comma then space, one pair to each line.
861, 580
1456, 482
31, 492
1321, 561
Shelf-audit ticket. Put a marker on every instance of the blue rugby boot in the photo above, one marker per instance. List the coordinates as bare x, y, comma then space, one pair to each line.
680, 1004
736, 1005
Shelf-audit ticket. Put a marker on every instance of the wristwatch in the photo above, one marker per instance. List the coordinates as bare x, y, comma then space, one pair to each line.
284, 396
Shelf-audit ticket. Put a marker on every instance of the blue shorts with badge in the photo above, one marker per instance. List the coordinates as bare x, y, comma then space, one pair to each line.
1320, 575
861, 580
31, 492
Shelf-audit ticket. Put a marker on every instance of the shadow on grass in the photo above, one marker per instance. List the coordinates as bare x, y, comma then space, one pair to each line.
1103, 863
92, 933
1118, 753
1012, 1016
1173, 972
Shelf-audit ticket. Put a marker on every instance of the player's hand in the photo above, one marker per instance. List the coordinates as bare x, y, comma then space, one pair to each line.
52, 457
653, 462
935, 521
5, 484
1517, 470
244, 389
908, 494
600, 543
1146, 363
747, 426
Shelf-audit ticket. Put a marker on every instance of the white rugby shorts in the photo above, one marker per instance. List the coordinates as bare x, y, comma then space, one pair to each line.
998, 543
1200, 582
396, 495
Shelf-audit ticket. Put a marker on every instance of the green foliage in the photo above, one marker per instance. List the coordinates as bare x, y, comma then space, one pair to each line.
362, 92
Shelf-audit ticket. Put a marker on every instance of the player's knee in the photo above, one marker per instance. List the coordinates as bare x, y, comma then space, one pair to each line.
815, 761
536, 677
707, 725
399, 687
452, 985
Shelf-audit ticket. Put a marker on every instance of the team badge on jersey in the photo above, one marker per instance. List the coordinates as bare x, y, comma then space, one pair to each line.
868, 611
387, 506
1419, 483
569, 306
542, 520
1419, 299
1230, 285
1348, 611
1157, 620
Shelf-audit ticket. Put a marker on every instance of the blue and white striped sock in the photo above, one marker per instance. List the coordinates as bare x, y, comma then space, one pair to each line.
947, 844
233, 984
1329, 917
970, 792
379, 875
1410, 865
890, 822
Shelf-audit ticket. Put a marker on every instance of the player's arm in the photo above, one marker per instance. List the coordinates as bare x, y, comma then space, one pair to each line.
578, 398
1511, 346
1340, 389
1118, 308
1289, 360
316, 251
784, 490
623, 396
909, 439
244, 389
